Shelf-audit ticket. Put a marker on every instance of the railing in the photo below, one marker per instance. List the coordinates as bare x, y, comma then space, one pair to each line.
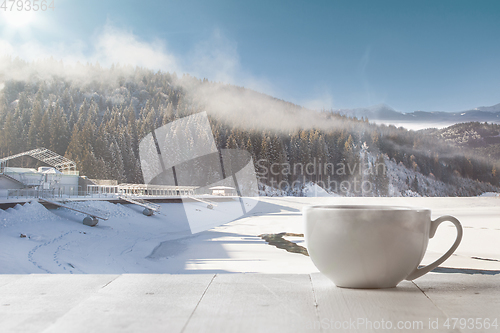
49, 193
30, 193
142, 190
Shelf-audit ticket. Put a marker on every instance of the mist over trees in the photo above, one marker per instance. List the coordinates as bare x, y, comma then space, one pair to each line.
98, 117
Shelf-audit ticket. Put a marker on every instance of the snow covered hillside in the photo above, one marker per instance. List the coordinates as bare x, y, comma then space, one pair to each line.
57, 242
401, 182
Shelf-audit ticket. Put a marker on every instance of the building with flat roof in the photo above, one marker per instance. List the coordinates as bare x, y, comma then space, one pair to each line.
223, 190
28, 181
59, 178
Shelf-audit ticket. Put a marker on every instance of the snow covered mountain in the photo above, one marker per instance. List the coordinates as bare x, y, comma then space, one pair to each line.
385, 113
494, 108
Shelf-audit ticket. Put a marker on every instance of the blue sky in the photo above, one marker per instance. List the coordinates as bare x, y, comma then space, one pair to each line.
412, 55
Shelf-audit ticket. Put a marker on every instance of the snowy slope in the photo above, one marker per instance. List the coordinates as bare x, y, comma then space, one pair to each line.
398, 175
430, 186
57, 242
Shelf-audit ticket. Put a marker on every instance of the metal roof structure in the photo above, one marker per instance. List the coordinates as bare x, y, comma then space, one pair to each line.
47, 156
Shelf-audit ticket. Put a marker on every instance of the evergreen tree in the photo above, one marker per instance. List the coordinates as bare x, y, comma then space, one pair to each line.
9, 135
382, 180
118, 171
414, 185
133, 133
232, 142
34, 129
59, 131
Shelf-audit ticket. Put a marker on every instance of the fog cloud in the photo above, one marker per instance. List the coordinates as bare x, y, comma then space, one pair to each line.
323, 100
216, 59
114, 45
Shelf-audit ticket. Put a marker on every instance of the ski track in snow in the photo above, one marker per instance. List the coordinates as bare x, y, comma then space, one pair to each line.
46, 245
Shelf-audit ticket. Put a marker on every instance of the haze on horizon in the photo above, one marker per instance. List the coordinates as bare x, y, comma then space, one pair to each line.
430, 56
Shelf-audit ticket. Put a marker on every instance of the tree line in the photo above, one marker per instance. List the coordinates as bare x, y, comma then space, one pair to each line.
98, 124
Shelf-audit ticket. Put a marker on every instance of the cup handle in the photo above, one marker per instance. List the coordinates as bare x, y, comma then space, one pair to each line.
418, 272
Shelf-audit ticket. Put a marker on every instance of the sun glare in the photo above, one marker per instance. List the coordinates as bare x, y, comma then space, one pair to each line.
17, 19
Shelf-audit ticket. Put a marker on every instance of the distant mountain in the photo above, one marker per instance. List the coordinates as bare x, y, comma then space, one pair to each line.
384, 113
376, 112
494, 108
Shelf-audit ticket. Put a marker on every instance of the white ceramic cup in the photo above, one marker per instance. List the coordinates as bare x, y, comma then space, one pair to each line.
371, 246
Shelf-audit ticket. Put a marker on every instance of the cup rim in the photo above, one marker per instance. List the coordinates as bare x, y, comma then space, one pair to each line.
367, 208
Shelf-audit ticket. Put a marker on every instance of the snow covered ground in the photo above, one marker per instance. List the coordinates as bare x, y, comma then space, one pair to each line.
57, 242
